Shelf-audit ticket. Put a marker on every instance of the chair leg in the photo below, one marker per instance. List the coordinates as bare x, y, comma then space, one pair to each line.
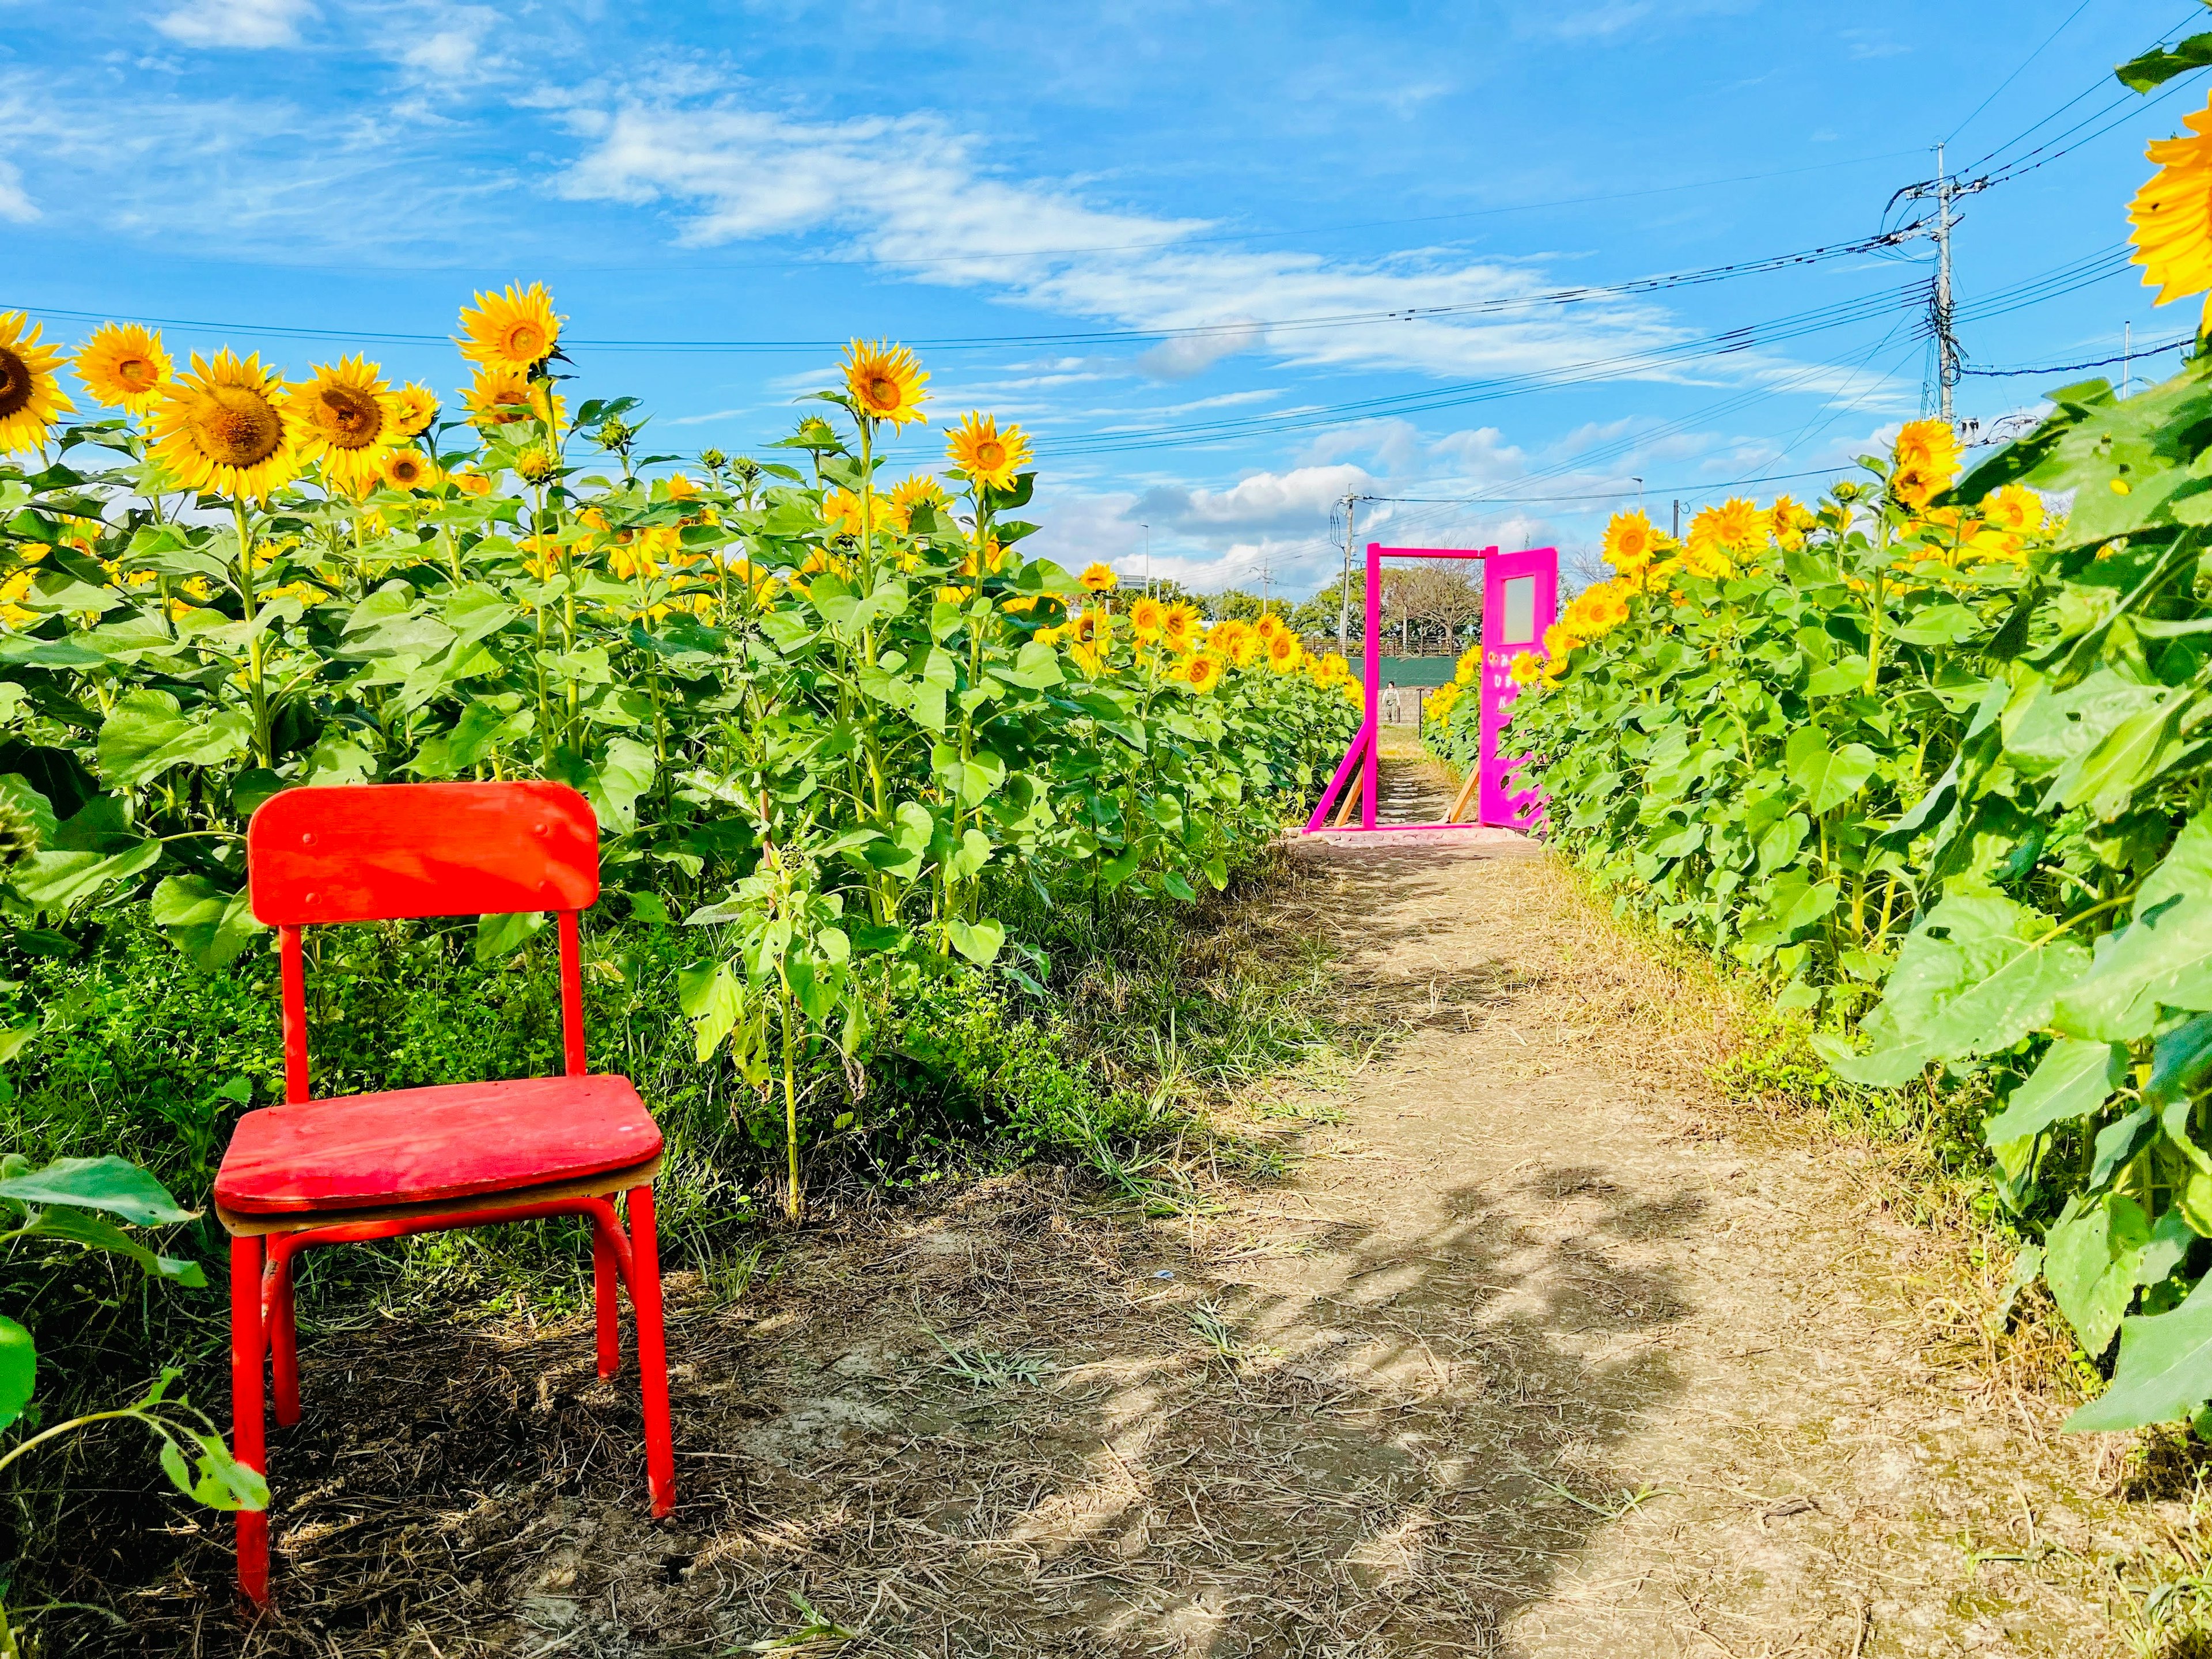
283, 1339
605, 1280
247, 1445
652, 1353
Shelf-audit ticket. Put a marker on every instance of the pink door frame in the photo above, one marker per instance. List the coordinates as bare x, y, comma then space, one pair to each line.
1499, 806
1505, 635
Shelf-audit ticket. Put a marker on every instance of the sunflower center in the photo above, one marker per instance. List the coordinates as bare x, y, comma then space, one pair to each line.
350, 419
882, 391
236, 426
137, 373
525, 343
990, 455
14, 383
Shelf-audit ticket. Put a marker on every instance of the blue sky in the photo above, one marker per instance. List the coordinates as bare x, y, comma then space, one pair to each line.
1168, 239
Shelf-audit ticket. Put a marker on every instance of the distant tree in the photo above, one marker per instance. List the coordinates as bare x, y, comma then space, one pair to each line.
1317, 617
1430, 603
1234, 603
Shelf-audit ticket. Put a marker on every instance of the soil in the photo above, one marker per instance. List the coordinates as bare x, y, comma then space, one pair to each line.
1535, 1348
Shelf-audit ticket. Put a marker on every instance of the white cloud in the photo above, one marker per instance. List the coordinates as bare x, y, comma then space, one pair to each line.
1194, 354
247, 23
15, 205
453, 55
910, 193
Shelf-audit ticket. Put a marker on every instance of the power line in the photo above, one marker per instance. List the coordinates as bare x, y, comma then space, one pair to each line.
1952, 137
1580, 295
2101, 362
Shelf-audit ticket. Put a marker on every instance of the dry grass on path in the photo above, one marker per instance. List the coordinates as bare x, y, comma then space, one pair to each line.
1541, 1349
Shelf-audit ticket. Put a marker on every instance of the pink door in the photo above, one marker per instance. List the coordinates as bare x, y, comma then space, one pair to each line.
1520, 601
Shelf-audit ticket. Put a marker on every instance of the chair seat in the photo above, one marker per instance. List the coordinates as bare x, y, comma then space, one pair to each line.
457, 1140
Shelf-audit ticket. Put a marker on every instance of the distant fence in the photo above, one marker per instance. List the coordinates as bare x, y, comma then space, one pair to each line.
1414, 678
1413, 670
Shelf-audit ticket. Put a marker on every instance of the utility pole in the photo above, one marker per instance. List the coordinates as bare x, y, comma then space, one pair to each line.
1947, 339
1638, 483
1344, 589
1678, 518
1147, 529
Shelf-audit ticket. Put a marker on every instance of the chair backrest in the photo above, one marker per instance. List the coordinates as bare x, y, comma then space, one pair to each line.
379, 852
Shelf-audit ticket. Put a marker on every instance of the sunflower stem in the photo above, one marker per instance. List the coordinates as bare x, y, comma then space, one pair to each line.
256, 685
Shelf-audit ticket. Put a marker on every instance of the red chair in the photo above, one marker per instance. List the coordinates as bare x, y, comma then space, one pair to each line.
358, 1167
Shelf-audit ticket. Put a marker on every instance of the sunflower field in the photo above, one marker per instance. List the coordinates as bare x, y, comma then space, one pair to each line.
830, 718
1933, 758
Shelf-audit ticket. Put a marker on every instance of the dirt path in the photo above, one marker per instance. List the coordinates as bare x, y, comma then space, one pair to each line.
1535, 1351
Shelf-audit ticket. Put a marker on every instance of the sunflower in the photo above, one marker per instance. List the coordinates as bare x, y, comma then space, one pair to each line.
841, 511
918, 489
1267, 628
1526, 667
1915, 486
1146, 617
986, 455
1243, 643
1091, 627
31, 396
1098, 579
515, 330
995, 557
1717, 533
473, 484
2173, 213
418, 407
1630, 542
535, 465
347, 417
1930, 445
1179, 627
1284, 651
1202, 673
2015, 508
124, 366
501, 396
1787, 522
409, 468
226, 426
886, 382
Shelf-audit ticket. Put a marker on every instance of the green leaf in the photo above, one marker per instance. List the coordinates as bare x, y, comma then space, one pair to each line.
2074, 1079
1829, 778
94, 1234
498, 936
2164, 1370
1978, 975
2164, 955
973, 854
57, 882
2120, 1140
146, 733
2091, 1259
1178, 887
711, 1000
207, 923
19, 1369
979, 941
624, 774
110, 1183
2161, 63
219, 1479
